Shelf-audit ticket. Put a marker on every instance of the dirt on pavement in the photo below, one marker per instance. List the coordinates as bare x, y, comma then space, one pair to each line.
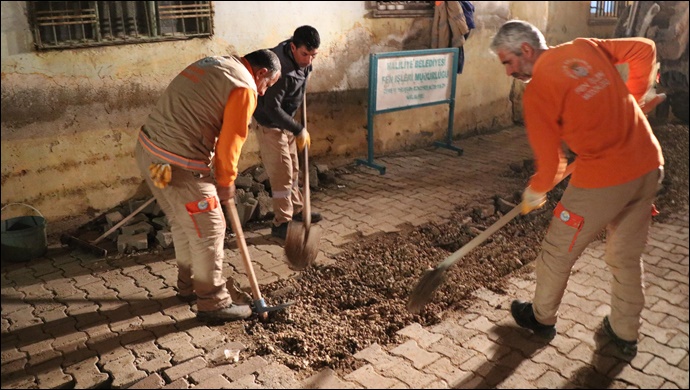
361, 299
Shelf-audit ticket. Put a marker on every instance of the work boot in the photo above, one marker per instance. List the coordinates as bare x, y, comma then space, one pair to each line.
230, 313
186, 298
315, 217
524, 316
280, 231
628, 348
237, 294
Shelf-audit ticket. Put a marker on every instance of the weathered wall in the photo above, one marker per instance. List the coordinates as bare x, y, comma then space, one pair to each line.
570, 19
70, 118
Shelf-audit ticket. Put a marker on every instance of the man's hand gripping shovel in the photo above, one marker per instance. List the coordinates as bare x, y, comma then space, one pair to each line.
431, 278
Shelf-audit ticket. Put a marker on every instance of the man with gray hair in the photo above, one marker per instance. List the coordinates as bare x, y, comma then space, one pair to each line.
201, 121
576, 97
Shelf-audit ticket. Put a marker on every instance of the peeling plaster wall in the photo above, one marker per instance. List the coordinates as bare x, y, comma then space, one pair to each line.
70, 118
568, 20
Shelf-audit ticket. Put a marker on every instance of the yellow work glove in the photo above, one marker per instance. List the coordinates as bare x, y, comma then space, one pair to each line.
303, 140
532, 200
161, 174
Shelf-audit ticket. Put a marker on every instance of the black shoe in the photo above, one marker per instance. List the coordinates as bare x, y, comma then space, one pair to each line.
230, 313
524, 316
315, 217
187, 298
628, 348
280, 231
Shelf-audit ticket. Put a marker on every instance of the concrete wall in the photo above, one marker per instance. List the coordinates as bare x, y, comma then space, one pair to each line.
70, 117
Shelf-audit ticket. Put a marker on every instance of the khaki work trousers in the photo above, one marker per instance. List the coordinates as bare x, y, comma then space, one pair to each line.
280, 159
625, 212
196, 220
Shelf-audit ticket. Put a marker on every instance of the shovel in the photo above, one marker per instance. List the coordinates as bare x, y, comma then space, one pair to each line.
259, 305
434, 277
302, 239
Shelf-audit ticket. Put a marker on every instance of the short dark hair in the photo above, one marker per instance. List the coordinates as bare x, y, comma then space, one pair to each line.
306, 36
264, 58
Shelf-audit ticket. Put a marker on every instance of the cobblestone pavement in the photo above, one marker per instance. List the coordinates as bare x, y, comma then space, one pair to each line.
73, 321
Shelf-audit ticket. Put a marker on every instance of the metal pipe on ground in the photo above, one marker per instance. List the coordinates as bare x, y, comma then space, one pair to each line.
92, 246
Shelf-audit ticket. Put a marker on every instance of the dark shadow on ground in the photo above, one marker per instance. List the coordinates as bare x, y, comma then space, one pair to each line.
72, 339
602, 371
503, 363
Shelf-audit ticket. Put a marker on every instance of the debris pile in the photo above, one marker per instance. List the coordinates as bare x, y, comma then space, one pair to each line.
149, 228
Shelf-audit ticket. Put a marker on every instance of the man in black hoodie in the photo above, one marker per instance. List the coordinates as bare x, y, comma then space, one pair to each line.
280, 136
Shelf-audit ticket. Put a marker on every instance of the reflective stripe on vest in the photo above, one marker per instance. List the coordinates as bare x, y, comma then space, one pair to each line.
172, 158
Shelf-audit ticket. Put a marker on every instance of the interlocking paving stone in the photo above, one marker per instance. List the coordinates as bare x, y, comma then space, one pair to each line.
368, 377
74, 320
87, 375
153, 381
326, 379
184, 369
423, 337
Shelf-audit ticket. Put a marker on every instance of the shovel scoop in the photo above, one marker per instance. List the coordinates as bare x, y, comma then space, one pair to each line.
301, 245
302, 239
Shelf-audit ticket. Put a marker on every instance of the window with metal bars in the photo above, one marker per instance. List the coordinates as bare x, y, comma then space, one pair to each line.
606, 11
73, 24
401, 9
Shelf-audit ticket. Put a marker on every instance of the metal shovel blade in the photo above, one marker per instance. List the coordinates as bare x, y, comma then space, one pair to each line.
260, 306
301, 245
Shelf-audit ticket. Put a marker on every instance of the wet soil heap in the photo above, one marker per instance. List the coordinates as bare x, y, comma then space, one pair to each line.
361, 299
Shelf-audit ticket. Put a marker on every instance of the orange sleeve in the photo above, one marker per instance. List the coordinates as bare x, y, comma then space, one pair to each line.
542, 109
236, 119
639, 54
577, 98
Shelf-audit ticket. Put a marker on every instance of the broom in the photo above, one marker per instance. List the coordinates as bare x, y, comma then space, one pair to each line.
302, 239
434, 277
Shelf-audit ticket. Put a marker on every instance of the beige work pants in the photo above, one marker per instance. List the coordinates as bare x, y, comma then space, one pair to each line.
279, 156
625, 212
191, 205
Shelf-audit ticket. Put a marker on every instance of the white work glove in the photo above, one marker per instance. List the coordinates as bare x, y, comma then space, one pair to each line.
532, 200
303, 140
649, 103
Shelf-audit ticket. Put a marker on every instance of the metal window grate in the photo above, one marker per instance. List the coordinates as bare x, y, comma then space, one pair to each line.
68, 22
184, 19
73, 24
401, 9
606, 10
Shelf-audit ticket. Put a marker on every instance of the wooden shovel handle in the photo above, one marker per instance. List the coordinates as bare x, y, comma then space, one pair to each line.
242, 245
306, 209
465, 249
